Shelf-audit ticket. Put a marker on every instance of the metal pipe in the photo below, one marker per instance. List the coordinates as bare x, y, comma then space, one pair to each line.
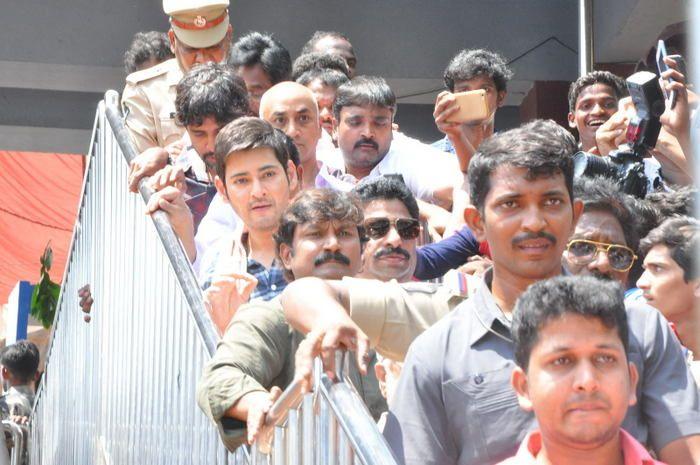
585, 37
15, 431
171, 243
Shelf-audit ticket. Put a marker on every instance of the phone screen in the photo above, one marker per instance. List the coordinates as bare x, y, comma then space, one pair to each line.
662, 66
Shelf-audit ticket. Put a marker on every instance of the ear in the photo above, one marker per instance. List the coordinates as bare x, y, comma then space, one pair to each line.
286, 254
518, 379
572, 121
634, 379
5, 374
577, 209
171, 39
380, 373
501, 98
696, 287
221, 189
294, 177
474, 220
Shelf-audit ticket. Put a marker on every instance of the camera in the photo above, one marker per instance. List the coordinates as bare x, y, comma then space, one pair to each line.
626, 167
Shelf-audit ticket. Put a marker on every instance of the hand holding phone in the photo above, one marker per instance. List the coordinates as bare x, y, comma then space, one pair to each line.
472, 107
662, 66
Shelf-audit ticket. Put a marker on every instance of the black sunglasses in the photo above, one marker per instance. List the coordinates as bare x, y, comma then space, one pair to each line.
408, 228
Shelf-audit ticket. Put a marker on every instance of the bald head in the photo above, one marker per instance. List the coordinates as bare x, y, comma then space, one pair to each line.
291, 107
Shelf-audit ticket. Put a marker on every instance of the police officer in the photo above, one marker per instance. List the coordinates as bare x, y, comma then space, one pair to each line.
199, 33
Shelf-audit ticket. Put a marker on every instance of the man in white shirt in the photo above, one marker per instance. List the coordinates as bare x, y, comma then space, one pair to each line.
364, 111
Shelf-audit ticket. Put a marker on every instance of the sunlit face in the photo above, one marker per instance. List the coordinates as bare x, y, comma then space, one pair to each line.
388, 257
203, 139
664, 287
340, 47
594, 106
598, 226
526, 222
578, 382
364, 135
295, 113
324, 249
257, 186
188, 56
494, 98
325, 96
256, 82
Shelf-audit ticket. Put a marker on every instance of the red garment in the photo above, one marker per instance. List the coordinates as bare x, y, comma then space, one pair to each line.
632, 450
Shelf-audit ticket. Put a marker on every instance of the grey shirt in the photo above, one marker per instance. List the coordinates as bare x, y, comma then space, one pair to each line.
454, 403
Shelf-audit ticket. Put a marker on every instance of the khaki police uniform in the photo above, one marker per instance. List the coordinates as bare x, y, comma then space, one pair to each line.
393, 314
148, 103
148, 100
256, 353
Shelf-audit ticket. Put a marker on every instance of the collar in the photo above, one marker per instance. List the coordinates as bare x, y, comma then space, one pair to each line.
487, 312
174, 74
634, 452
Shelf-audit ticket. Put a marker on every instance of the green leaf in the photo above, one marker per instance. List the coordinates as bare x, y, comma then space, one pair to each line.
46, 292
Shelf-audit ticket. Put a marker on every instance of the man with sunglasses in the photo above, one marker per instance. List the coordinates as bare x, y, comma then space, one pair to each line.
605, 239
199, 33
454, 403
392, 229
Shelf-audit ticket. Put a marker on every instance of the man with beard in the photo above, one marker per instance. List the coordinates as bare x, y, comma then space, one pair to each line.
454, 404
319, 235
605, 240
208, 98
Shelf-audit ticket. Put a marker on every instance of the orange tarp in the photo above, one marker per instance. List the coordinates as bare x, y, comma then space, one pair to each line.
39, 195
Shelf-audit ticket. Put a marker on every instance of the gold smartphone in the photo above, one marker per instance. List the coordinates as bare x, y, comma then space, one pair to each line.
472, 107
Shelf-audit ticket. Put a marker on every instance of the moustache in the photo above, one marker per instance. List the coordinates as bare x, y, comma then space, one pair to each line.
364, 141
528, 236
392, 250
603, 276
331, 256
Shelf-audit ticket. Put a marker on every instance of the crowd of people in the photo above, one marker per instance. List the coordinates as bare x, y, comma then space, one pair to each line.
551, 317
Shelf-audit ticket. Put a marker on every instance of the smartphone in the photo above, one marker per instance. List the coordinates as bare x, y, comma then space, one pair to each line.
472, 107
662, 66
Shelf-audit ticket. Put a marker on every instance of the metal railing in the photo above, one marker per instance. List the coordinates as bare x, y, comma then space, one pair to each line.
330, 426
120, 389
19, 435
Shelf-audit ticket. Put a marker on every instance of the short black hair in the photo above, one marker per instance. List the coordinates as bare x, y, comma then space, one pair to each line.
264, 49
316, 206
616, 83
210, 90
248, 133
21, 359
362, 91
602, 194
682, 237
679, 201
327, 77
318, 61
317, 36
143, 47
542, 147
387, 188
292, 150
553, 298
469, 64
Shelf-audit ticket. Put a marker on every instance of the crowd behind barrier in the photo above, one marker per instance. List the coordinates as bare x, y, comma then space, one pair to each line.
279, 296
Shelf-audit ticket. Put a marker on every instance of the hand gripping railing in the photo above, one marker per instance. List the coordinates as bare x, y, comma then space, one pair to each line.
330, 426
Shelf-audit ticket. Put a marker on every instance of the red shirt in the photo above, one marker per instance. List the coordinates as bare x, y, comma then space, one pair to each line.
633, 452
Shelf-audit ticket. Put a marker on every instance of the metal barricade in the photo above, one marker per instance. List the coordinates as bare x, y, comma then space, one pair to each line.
19, 435
121, 388
330, 426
